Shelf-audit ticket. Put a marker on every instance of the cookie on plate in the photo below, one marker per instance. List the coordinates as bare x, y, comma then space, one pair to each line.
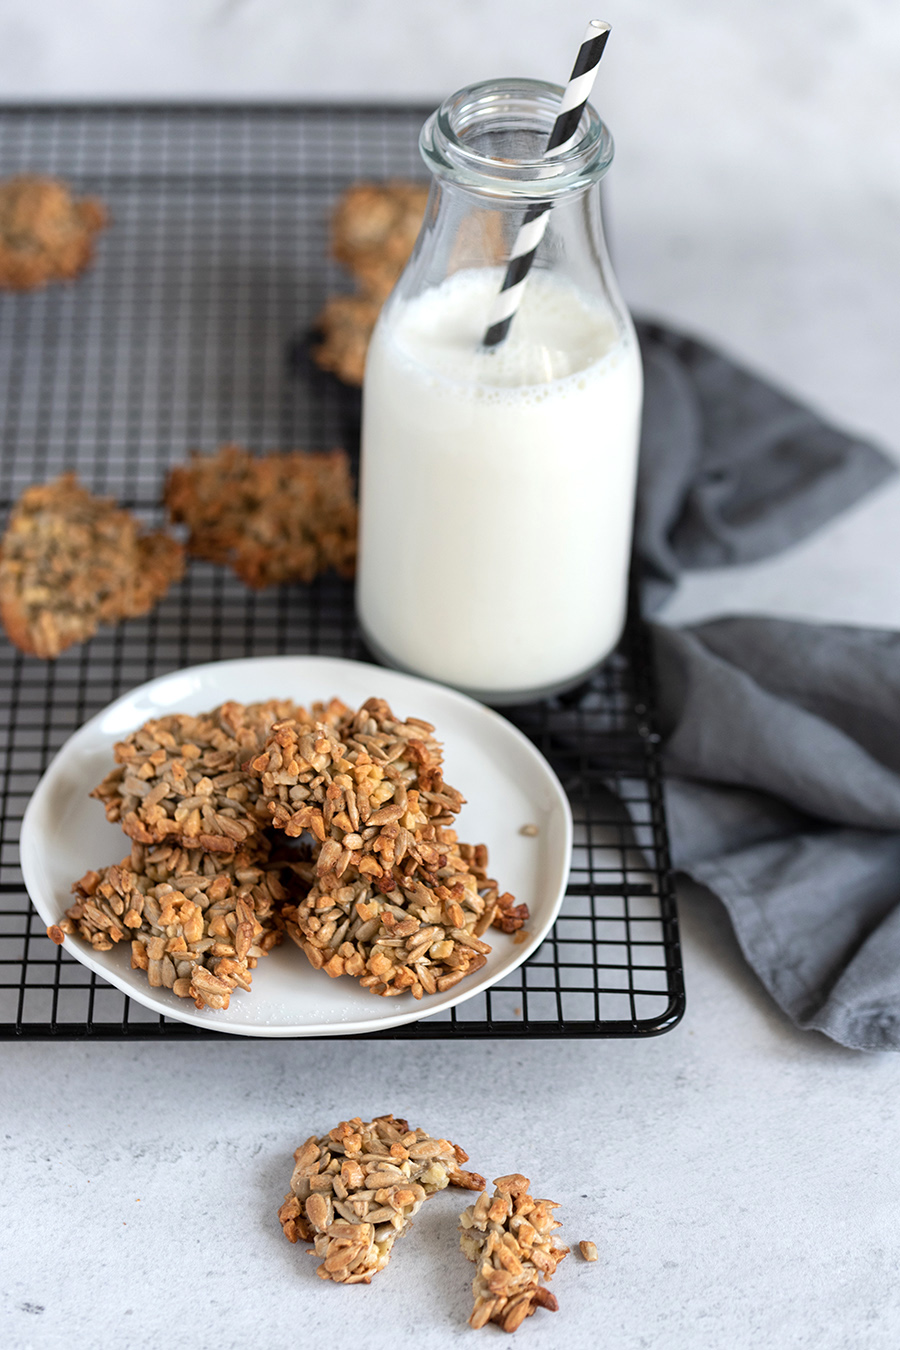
45, 233
272, 518
71, 561
180, 778
424, 935
392, 898
197, 923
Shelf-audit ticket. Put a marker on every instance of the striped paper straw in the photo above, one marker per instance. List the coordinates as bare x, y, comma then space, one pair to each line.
562, 137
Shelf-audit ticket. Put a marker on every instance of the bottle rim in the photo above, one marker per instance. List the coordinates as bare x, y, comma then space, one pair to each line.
515, 105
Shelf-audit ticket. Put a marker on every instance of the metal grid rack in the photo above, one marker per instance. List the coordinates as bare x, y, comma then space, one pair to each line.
180, 337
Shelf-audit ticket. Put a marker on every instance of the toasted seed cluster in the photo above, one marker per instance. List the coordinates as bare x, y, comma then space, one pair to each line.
379, 887
180, 778
509, 1236
272, 518
368, 771
424, 935
373, 230
393, 899
72, 561
45, 233
197, 923
354, 1192
343, 331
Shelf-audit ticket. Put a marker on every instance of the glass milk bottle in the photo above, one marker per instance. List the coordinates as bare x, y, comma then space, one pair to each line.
497, 483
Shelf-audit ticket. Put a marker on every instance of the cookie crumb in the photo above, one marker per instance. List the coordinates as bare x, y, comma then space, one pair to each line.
529, 831
588, 1250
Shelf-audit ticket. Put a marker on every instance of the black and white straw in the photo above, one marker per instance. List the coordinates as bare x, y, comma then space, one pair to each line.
562, 137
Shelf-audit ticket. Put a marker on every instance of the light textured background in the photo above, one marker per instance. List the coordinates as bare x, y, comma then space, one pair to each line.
740, 1178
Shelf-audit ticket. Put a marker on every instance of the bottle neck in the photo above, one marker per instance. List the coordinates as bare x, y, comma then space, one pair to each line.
489, 139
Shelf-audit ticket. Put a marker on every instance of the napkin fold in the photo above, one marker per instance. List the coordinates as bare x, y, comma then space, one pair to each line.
732, 470
782, 749
782, 739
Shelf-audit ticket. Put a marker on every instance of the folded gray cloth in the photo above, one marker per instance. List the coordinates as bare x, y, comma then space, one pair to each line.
782, 745
732, 470
782, 739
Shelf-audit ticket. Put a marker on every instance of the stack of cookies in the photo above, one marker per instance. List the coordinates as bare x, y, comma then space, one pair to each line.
391, 897
198, 896
377, 886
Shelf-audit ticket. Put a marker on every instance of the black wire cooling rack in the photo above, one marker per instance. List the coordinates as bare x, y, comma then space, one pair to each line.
184, 335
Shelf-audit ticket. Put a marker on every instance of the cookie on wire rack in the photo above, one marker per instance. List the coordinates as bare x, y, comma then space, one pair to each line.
509, 1236
274, 518
46, 234
341, 336
355, 1190
71, 561
197, 923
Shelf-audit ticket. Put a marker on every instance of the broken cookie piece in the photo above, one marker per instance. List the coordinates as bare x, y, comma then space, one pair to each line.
72, 561
45, 233
509, 1236
355, 1190
180, 778
272, 518
197, 924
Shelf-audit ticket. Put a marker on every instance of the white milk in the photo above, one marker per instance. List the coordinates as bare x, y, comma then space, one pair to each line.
497, 488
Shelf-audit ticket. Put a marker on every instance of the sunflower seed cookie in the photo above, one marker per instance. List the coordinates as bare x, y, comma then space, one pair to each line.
373, 230
343, 329
180, 778
45, 233
509, 1236
355, 1190
72, 561
272, 518
393, 899
369, 771
424, 935
197, 924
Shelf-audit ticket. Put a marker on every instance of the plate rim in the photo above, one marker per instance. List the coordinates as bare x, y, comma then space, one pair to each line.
29, 835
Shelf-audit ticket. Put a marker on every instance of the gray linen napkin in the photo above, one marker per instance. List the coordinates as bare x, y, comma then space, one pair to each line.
782, 739
732, 470
782, 745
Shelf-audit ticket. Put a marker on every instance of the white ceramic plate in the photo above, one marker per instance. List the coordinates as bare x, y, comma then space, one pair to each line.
506, 781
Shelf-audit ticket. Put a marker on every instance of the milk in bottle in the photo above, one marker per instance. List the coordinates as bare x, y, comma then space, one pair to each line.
497, 485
